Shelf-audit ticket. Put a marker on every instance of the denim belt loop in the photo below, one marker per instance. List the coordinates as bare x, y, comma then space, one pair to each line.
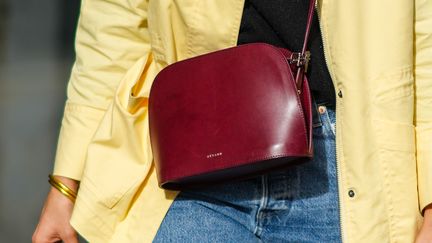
316, 119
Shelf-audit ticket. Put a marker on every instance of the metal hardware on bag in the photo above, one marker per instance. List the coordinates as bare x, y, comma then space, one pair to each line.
301, 60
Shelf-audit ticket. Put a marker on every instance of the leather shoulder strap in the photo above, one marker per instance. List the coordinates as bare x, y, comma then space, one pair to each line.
302, 58
309, 24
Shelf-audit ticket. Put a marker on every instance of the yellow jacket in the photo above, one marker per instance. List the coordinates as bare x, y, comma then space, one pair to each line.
379, 53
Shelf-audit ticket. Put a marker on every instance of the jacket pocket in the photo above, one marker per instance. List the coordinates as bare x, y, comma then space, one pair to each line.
393, 97
395, 136
397, 159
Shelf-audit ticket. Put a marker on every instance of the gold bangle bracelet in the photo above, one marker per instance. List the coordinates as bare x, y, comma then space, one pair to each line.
61, 185
62, 188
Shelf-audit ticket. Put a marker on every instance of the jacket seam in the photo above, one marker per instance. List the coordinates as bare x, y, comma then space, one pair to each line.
390, 207
403, 70
236, 23
192, 30
342, 181
105, 231
330, 49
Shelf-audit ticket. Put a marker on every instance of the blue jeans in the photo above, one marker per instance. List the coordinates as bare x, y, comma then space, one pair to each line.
299, 204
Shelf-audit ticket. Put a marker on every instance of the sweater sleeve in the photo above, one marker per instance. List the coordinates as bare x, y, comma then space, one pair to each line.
111, 36
423, 99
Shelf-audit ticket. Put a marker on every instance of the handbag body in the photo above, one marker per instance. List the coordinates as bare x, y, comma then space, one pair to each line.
230, 115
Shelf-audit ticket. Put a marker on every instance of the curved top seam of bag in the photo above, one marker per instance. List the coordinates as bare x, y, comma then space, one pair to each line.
287, 71
173, 65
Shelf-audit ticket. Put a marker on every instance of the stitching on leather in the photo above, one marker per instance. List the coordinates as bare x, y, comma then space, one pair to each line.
295, 88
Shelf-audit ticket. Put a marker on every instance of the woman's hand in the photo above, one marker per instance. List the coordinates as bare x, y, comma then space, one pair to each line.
425, 234
54, 223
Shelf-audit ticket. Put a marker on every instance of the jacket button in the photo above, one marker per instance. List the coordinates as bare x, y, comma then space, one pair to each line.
340, 94
351, 193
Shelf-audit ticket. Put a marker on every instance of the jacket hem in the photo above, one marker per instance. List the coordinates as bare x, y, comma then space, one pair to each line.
87, 223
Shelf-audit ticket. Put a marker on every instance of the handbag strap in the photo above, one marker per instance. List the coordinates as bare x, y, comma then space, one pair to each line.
301, 59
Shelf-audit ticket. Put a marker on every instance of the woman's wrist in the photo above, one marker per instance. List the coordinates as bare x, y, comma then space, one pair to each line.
65, 186
71, 183
428, 216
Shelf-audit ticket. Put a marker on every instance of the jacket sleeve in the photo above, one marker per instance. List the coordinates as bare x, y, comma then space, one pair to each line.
111, 36
423, 99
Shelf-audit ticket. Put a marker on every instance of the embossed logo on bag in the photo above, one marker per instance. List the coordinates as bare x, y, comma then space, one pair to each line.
214, 155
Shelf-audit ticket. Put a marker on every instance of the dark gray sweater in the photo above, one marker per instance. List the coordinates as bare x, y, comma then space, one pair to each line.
283, 23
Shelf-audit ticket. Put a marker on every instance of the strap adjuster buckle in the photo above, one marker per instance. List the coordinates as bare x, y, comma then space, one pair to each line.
301, 60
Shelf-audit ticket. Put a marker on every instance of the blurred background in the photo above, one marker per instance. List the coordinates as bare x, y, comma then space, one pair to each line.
36, 54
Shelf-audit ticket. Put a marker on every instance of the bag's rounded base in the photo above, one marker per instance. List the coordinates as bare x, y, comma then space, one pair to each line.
232, 174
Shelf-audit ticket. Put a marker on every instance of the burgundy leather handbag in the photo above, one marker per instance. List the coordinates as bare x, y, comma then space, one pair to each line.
230, 115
